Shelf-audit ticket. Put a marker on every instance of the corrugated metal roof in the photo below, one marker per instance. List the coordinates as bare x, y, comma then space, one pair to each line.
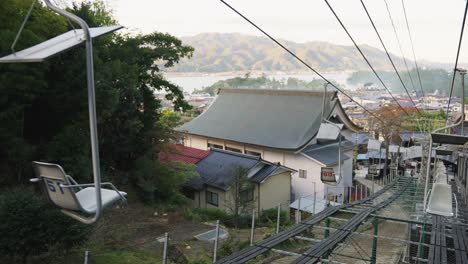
406, 136
274, 118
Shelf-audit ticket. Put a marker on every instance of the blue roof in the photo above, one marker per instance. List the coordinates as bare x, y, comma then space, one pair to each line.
218, 169
376, 154
328, 153
362, 157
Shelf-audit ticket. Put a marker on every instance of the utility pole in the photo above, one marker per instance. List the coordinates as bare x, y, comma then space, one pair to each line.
462, 75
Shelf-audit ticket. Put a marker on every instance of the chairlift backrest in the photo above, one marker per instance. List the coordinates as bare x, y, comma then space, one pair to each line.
53, 176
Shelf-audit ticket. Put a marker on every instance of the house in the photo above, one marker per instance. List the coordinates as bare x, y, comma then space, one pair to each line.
279, 126
267, 184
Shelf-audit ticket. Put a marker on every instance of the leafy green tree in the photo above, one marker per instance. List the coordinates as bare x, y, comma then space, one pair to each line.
31, 227
263, 82
43, 106
240, 196
162, 182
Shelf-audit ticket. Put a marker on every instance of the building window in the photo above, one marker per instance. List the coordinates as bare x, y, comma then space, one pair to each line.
246, 195
212, 198
214, 146
253, 153
234, 149
303, 174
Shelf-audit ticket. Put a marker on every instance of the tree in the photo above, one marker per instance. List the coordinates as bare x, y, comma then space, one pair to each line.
162, 182
390, 128
30, 227
240, 198
43, 107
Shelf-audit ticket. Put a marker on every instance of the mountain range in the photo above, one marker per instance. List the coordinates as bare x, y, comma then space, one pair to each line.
229, 52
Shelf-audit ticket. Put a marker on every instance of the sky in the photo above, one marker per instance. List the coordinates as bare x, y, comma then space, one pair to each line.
435, 24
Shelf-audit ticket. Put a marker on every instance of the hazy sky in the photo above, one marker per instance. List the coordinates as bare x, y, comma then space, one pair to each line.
435, 24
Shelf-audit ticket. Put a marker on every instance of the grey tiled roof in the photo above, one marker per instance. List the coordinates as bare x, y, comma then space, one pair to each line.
218, 169
328, 153
273, 118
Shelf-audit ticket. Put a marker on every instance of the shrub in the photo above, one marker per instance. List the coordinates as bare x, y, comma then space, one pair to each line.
162, 182
29, 226
206, 214
232, 245
269, 217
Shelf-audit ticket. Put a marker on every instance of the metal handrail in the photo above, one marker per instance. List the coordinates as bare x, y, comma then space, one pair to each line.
428, 169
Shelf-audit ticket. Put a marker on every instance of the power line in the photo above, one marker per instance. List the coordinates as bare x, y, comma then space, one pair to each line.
399, 45
302, 61
388, 55
412, 47
365, 58
456, 61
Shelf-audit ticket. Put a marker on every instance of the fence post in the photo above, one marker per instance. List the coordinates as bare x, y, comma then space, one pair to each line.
298, 213
166, 244
252, 228
355, 193
215, 251
315, 198
278, 217
86, 257
350, 194
373, 259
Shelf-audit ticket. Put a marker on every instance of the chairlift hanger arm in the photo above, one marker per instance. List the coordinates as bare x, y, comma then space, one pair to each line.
92, 111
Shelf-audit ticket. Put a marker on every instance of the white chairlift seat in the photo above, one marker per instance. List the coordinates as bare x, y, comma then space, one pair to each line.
440, 200
87, 198
63, 191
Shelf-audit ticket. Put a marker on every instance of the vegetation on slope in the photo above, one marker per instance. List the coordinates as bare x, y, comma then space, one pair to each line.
263, 82
217, 52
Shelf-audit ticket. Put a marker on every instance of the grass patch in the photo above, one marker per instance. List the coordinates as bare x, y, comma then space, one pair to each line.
126, 257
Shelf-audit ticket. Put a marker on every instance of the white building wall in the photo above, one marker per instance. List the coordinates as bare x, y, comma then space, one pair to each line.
341, 190
305, 187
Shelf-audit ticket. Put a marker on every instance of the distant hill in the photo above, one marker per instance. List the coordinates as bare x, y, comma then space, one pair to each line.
216, 52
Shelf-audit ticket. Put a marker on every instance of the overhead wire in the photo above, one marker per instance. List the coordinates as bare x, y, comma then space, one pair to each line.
364, 56
400, 47
456, 61
302, 61
412, 47
388, 54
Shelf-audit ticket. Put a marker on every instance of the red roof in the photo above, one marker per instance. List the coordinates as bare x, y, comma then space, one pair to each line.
184, 154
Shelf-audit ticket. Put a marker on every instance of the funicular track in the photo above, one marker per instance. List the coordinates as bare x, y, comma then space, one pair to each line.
313, 254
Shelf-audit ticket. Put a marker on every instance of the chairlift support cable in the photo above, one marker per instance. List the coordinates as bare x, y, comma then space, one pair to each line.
364, 56
456, 62
400, 46
300, 60
388, 54
412, 47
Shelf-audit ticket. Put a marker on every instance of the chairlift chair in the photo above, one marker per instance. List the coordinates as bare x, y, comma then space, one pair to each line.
61, 187
63, 191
